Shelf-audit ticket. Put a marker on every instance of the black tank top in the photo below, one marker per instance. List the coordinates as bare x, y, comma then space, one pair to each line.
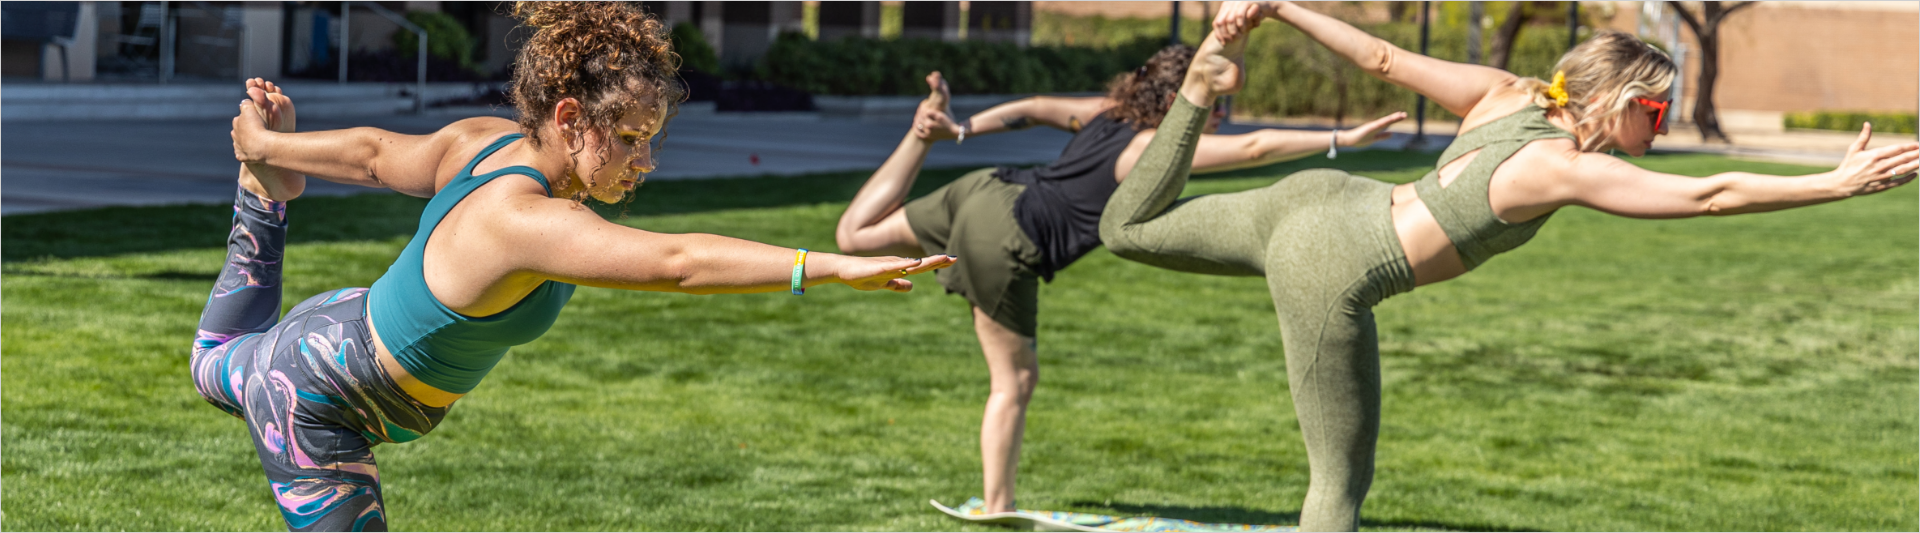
1060, 210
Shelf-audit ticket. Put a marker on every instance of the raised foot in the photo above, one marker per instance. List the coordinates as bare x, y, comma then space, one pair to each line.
275, 109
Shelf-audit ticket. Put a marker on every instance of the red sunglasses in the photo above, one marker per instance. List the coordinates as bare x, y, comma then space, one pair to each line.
1660, 120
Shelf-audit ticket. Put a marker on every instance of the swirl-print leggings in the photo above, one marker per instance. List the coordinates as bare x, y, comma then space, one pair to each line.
314, 398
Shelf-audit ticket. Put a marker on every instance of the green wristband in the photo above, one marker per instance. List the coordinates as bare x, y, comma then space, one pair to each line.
799, 272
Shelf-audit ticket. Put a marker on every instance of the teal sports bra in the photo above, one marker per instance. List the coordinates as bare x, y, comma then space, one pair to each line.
448, 350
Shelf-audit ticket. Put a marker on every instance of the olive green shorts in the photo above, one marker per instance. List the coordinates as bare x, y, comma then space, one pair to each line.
972, 218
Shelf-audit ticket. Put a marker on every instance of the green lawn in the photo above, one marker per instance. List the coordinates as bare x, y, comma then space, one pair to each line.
1744, 373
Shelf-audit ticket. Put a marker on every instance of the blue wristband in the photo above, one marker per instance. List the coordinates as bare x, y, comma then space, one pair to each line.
799, 272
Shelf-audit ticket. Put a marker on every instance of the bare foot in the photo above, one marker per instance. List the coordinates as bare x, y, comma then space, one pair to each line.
1217, 68
276, 109
933, 121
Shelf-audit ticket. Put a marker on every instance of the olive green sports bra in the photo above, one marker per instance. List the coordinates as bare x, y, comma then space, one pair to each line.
1462, 207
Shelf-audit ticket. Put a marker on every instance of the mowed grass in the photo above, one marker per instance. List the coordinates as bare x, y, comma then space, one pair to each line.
1743, 373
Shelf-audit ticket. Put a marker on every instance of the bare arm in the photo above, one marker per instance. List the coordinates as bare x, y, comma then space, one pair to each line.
1220, 153
1608, 184
1458, 87
1062, 113
369, 157
556, 239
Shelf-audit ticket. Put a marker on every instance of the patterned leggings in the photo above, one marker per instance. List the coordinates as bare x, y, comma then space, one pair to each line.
315, 399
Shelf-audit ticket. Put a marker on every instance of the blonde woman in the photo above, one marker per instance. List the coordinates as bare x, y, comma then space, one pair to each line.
1332, 245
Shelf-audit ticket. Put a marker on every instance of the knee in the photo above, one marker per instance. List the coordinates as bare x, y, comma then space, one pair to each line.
1119, 239
848, 242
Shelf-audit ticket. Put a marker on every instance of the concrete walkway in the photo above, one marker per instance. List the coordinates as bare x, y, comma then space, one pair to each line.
60, 165
49, 166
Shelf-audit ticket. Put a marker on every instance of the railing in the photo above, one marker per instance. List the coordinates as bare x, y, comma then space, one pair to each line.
420, 92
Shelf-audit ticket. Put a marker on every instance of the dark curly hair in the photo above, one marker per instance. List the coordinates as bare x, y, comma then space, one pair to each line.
1140, 97
610, 56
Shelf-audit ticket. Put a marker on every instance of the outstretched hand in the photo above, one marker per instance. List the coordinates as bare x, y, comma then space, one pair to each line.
1366, 134
876, 273
1870, 171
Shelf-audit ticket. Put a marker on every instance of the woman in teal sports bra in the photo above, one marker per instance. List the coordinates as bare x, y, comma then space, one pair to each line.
1332, 245
500, 248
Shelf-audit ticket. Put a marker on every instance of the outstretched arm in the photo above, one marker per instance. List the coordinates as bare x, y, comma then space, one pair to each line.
369, 157
1058, 112
556, 240
1220, 153
1458, 87
1611, 185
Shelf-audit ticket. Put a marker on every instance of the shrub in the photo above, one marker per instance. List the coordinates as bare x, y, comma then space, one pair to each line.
864, 66
695, 53
1850, 121
446, 38
1288, 73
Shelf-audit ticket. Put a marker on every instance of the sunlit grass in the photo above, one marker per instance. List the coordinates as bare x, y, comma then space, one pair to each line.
1743, 373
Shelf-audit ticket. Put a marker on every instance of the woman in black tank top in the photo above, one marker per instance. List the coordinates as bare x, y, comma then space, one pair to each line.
1017, 226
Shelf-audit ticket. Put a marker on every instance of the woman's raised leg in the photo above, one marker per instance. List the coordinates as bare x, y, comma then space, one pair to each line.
874, 223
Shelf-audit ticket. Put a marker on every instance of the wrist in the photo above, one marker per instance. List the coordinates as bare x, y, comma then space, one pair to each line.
1197, 93
1835, 184
823, 269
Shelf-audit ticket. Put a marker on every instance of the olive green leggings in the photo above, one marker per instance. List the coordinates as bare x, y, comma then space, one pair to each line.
1324, 240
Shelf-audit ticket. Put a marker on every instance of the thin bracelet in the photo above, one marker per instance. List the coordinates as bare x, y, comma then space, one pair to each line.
1333, 150
799, 271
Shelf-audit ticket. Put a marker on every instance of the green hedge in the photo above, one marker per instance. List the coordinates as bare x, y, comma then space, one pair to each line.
1850, 121
862, 66
1288, 74
446, 38
694, 51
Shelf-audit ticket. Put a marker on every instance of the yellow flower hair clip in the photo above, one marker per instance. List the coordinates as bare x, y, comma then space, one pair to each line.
1559, 88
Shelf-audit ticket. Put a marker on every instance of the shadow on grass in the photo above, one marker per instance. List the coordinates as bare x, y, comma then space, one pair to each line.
169, 275
380, 216
1237, 515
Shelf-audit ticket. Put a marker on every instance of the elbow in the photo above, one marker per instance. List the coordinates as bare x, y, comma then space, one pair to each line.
847, 239
680, 269
1379, 57
1258, 147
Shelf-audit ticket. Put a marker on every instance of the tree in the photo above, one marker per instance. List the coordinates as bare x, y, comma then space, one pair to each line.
1509, 32
1475, 12
1706, 29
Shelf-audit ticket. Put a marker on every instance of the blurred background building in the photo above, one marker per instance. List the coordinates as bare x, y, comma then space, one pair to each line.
1776, 57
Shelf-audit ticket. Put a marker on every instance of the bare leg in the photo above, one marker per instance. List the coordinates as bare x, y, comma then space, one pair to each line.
874, 223
1014, 366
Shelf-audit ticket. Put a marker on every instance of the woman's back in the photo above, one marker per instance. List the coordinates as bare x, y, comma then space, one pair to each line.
1060, 208
444, 348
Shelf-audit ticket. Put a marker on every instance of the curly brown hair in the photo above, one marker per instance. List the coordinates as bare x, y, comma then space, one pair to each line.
1140, 97
609, 56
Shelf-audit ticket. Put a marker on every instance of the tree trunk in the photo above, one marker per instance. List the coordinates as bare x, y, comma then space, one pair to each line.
1706, 29
1475, 12
1705, 116
1509, 32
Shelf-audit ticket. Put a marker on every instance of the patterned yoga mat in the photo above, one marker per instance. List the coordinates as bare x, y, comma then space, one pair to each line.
1065, 521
